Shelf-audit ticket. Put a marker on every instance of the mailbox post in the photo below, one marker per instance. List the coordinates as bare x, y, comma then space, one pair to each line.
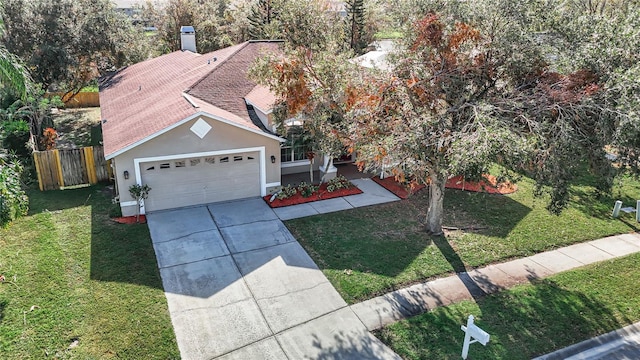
472, 331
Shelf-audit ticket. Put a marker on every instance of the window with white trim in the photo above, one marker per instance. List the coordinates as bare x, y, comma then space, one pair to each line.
295, 148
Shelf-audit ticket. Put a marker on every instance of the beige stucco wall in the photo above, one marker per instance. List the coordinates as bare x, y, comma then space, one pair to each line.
182, 140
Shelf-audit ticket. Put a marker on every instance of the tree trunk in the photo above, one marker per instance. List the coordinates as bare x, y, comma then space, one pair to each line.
436, 201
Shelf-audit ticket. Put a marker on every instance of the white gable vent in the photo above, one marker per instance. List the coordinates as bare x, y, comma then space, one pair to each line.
201, 128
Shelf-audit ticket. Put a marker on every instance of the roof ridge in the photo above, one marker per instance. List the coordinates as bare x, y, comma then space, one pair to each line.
214, 69
266, 41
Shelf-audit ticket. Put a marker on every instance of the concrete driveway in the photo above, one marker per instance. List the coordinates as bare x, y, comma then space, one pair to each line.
239, 286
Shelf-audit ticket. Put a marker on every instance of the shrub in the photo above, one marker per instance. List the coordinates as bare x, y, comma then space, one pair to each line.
13, 200
286, 192
337, 183
307, 190
48, 139
15, 136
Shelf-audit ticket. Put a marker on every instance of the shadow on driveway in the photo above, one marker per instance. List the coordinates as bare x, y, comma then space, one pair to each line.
235, 277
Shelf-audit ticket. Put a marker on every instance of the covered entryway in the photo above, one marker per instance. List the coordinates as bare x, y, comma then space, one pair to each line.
195, 180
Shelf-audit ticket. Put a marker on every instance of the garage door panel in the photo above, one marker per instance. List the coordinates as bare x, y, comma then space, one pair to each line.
201, 180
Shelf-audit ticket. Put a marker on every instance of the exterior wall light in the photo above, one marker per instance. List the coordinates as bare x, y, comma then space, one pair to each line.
126, 175
273, 159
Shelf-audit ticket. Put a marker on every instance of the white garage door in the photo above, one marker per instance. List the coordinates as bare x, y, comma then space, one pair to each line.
200, 180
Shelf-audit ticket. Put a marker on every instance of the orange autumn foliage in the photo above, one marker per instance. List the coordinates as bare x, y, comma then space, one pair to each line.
463, 33
48, 140
297, 92
429, 31
570, 88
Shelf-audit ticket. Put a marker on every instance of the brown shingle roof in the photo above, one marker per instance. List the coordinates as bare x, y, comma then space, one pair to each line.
228, 84
146, 98
261, 97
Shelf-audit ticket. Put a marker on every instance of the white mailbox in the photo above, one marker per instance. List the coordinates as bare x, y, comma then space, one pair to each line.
472, 331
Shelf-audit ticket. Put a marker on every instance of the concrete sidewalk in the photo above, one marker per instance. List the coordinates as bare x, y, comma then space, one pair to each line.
372, 194
397, 305
621, 344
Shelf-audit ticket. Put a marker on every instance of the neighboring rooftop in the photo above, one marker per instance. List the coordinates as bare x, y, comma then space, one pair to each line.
143, 99
377, 58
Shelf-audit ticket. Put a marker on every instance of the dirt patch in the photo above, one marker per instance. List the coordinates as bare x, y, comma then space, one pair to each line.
77, 127
321, 194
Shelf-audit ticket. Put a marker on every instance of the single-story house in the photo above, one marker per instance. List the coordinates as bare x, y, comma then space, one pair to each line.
194, 128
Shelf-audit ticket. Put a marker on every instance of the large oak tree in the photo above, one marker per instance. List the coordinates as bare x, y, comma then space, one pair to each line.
474, 86
462, 98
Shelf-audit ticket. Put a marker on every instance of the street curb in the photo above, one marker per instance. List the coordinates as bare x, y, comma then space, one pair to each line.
590, 347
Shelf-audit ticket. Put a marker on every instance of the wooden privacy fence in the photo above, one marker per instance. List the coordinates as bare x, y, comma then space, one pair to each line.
62, 168
81, 100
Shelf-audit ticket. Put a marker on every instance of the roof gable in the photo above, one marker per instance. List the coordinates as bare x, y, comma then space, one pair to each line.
261, 98
186, 120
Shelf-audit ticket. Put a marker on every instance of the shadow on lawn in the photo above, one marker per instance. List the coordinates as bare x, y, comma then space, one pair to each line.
493, 214
598, 205
55, 200
3, 305
121, 253
523, 323
363, 239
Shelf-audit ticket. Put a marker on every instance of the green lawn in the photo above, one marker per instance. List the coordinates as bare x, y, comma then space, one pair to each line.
528, 320
73, 274
369, 251
388, 34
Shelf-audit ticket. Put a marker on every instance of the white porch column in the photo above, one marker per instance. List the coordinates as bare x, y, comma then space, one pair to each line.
327, 170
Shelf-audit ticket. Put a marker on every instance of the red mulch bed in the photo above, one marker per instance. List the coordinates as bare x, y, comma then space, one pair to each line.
130, 219
489, 185
400, 190
321, 194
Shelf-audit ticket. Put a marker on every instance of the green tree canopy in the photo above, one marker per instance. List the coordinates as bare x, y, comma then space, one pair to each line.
13, 76
216, 25
476, 84
300, 23
358, 39
68, 43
